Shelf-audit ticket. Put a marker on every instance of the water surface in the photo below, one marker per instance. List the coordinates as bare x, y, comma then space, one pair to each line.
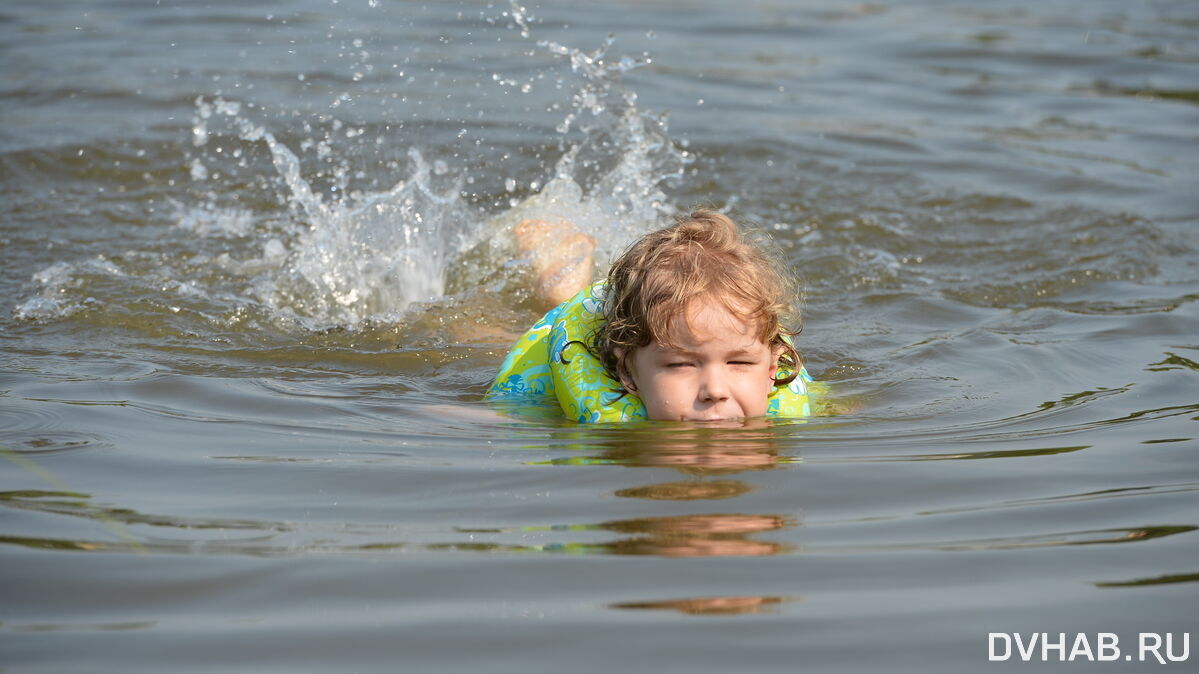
257, 275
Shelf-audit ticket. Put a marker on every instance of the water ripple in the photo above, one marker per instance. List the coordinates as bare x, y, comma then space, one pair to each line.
30, 429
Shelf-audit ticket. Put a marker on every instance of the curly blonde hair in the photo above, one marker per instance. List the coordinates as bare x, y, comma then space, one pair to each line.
704, 255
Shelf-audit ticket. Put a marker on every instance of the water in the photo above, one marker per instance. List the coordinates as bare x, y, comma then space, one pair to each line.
257, 275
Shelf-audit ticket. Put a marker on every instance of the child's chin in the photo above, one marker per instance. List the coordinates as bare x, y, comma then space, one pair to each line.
712, 419
735, 422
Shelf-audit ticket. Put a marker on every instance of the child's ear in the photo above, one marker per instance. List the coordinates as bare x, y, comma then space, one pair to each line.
775, 354
622, 372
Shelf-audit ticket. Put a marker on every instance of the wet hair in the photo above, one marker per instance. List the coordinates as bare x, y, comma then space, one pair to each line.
704, 256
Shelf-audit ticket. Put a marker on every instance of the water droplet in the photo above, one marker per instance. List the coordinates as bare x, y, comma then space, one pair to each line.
198, 170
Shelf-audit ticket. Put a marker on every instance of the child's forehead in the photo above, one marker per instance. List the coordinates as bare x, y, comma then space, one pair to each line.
715, 316
705, 320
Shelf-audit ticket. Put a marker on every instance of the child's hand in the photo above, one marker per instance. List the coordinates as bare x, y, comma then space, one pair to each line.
561, 256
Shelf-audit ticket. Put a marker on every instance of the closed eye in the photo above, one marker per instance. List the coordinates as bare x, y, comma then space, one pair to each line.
677, 364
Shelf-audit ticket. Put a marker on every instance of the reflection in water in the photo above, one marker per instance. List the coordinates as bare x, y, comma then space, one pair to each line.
711, 605
708, 535
988, 454
750, 444
1093, 537
57, 544
687, 491
1008, 431
116, 519
1173, 361
64, 501
700, 451
1157, 580
711, 535
698, 535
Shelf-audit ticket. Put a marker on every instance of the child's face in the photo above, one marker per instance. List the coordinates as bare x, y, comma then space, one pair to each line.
719, 371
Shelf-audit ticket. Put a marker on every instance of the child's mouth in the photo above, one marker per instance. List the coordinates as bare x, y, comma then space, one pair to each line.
711, 418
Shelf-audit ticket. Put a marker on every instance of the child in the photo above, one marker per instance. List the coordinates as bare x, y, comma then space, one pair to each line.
688, 326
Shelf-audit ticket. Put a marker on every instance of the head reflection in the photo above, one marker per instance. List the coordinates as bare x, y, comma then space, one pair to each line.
713, 449
706, 452
710, 535
709, 449
710, 605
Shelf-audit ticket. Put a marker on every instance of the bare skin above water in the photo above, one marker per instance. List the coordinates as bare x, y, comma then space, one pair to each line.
561, 255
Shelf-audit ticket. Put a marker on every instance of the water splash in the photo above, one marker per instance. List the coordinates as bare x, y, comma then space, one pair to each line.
56, 283
374, 256
324, 256
611, 182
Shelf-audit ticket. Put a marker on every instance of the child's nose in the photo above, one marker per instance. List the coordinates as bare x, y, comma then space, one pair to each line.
713, 388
